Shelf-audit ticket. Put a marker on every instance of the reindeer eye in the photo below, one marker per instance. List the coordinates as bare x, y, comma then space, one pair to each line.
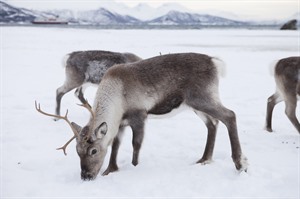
93, 151
89, 141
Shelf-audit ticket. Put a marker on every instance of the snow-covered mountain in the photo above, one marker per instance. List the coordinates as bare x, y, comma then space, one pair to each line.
145, 12
65, 14
113, 13
184, 18
103, 16
11, 14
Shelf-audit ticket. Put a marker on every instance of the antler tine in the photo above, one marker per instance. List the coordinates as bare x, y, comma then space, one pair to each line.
88, 107
64, 147
38, 108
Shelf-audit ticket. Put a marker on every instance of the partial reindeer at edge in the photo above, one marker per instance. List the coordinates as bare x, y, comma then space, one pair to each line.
287, 78
128, 93
83, 67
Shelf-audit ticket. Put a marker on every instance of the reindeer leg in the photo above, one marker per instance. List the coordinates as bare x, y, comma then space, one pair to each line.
112, 166
73, 80
60, 92
79, 94
272, 101
137, 124
290, 110
229, 119
211, 125
138, 136
136, 120
216, 110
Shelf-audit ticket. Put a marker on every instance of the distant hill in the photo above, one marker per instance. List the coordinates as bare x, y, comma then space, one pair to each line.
184, 18
103, 17
162, 16
145, 12
10, 14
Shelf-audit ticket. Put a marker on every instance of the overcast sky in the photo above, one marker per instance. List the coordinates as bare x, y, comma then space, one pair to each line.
262, 9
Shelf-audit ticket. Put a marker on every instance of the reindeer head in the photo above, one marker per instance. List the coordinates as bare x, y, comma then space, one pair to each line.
89, 147
90, 150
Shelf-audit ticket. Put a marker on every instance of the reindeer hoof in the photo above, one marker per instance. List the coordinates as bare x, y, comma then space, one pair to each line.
242, 164
134, 162
269, 129
204, 161
109, 170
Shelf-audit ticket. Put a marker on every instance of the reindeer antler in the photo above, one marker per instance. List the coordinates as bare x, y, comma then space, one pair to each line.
88, 107
38, 108
64, 147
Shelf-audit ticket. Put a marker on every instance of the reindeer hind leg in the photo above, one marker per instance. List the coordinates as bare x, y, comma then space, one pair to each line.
290, 110
272, 101
79, 94
210, 104
211, 125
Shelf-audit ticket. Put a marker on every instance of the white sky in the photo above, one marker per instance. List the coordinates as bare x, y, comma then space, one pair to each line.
261, 9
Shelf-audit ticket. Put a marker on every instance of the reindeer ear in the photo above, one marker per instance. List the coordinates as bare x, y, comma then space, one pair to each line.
101, 130
76, 127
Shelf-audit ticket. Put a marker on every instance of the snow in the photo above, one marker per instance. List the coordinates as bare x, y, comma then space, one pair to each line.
31, 167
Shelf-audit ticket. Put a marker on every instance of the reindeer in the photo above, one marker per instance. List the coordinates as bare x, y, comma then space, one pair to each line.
287, 78
83, 67
128, 93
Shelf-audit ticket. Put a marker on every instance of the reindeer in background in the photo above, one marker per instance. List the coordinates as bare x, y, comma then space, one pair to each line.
88, 67
287, 78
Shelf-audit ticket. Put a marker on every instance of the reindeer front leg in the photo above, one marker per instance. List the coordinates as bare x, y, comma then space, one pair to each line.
136, 120
112, 166
137, 123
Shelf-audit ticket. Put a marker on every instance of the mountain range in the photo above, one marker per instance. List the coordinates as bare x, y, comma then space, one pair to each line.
169, 14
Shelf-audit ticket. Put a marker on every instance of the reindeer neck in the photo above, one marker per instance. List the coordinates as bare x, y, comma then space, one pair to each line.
108, 107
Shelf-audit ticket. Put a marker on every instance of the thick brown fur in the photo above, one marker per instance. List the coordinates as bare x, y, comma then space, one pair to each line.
128, 93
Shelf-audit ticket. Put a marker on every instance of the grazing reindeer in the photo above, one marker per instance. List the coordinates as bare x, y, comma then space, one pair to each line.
129, 92
84, 67
287, 78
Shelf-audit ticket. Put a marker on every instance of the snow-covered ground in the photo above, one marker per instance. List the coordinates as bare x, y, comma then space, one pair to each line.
31, 69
